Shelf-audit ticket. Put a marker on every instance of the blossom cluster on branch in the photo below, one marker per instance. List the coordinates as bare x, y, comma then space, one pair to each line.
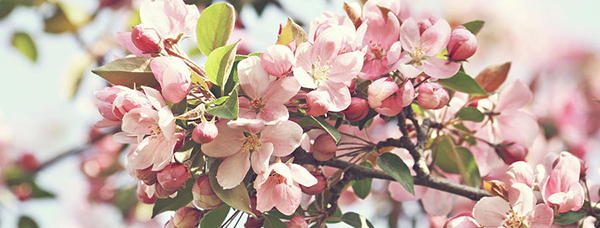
377, 93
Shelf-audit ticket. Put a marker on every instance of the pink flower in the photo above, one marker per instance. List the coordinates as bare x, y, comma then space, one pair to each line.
114, 102
277, 60
462, 220
422, 48
323, 67
358, 109
174, 77
513, 124
462, 44
520, 172
153, 129
279, 187
168, 18
350, 36
381, 41
145, 39
387, 98
266, 95
432, 96
240, 149
317, 102
520, 210
562, 188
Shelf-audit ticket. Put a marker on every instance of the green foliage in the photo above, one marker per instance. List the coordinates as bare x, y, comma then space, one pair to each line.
463, 83
395, 167
27, 222
356, 220
214, 26
25, 45
474, 26
66, 18
130, 72
362, 187
319, 122
471, 114
236, 197
569, 217
273, 222
225, 107
215, 217
184, 196
219, 63
291, 32
453, 159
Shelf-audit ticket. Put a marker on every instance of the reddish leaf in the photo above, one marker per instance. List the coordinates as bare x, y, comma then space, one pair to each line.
492, 77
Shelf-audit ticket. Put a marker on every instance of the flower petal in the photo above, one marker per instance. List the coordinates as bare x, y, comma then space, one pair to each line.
490, 211
516, 96
254, 80
285, 137
302, 176
260, 158
228, 142
233, 169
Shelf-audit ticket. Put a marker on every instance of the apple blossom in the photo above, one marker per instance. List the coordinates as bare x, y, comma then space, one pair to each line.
317, 188
432, 96
174, 77
358, 109
386, 97
205, 132
241, 149
173, 177
185, 217
279, 187
115, 101
562, 188
462, 44
204, 197
324, 147
277, 60
514, 124
145, 39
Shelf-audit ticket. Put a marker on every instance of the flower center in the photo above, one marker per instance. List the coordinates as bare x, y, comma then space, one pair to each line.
417, 56
256, 105
320, 73
276, 178
251, 143
375, 51
514, 220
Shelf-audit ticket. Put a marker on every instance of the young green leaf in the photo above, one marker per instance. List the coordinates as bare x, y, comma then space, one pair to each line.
474, 26
395, 167
457, 160
215, 217
356, 220
27, 222
273, 222
362, 187
66, 18
214, 26
569, 217
463, 83
236, 197
319, 122
218, 65
226, 108
471, 114
184, 196
25, 45
130, 72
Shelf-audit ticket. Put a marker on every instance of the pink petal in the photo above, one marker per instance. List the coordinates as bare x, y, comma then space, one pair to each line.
273, 113
327, 46
435, 38
228, 142
518, 126
339, 95
433, 204
346, 66
516, 96
266, 198
154, 97
440, 68
304, 78
124, 39
166, 122
233, 169
260, 158
490, 211
409, 35
541, 217
282, 90
521, 198
290, 197
174, 77
285, 137
520, 172
302, 176
139, 121
254, 80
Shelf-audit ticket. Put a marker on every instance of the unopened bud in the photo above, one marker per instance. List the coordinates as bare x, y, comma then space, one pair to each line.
358, 109
29, 162
180, 141
205, 132
316, 105
204, 197
144, 197
173, 177
511, 152
324, 147
318, 187
145, 39
432, 96
186, 217
146, 175
462, 44
297, 222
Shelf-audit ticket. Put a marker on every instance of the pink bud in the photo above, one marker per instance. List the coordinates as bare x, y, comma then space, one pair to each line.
180, 141
105, 99
324, 147
386, 98
204, 197
319, 187
128, 100
297, 222
29, 162
173, 177
143, 196
277, 60
358, 109
146, 175
161, 193
145, 39
317, 106
186, 217
174, 77
432, 96
462, 44
205, 132
511, 152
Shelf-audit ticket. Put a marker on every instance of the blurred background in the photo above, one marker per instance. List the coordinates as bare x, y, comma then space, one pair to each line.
48, 47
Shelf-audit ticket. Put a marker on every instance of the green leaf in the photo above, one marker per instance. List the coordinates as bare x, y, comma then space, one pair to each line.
38, 192
27, 222
218, 65
214, 27
474, 26
25, 44
319, 122
215, 217
356, 220
236, 197
184, 196
569, 217
273, 222
395, 167
130, 72
66, 18
362, 187
226, 108
457, 160
463, 83
471, 114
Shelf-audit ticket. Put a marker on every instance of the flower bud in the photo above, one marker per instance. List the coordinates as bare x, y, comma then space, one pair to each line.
204, 197
511, 152
205, 132
432, 96
174, 77
186, 217
161, 193
358, 109
387, 98
462, 44
144, 197
317, 106
173, 177
29, 162
180, 141
146, 175
324, 147
253, 222
297, 222
318, 187
277, 60
105, 99
145, 39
